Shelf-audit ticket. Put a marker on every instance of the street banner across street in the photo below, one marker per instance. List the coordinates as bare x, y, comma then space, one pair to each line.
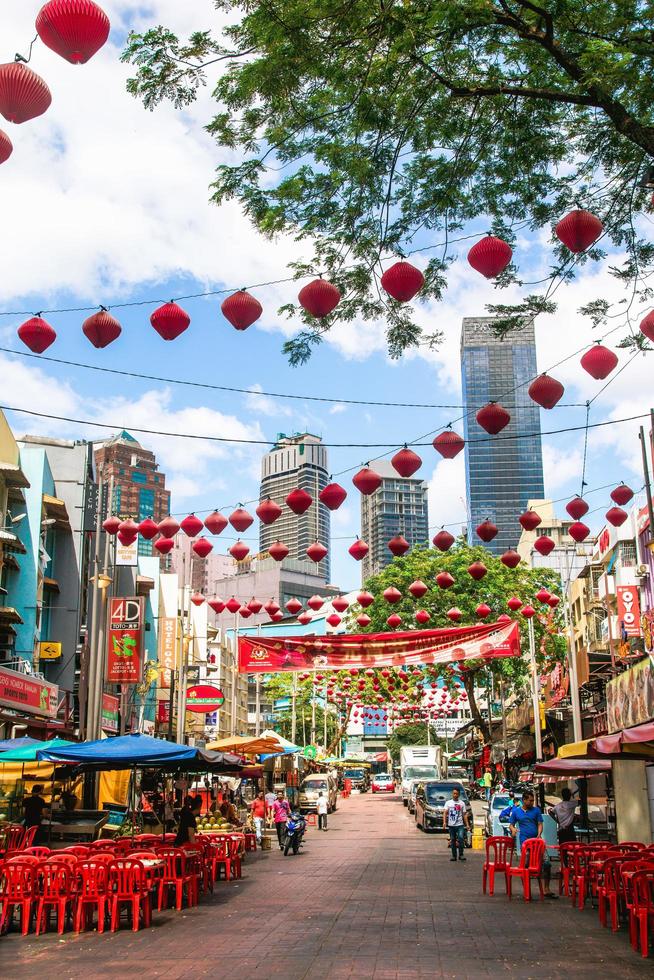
265, 655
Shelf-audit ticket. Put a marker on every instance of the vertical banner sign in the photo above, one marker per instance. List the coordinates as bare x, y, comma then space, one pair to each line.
167, 648
629, 610
125, 640
110, 713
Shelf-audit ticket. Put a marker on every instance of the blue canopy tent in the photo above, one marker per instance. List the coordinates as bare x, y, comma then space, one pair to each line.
122, 752
30, 753
7, 744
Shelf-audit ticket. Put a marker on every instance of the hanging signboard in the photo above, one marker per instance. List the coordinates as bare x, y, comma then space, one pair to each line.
630, 696
204, 698
167, 648
628, 610
127, 554
110, 713
29, 694
49, 650
125, 639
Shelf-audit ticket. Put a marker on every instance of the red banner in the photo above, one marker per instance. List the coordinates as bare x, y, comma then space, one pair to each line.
629, 609
265, 655
29, 694
124, 639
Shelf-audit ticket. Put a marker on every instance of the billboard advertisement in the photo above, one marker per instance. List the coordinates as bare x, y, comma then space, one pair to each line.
125, 639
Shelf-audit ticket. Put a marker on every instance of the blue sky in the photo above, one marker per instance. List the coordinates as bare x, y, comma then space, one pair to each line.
104, 202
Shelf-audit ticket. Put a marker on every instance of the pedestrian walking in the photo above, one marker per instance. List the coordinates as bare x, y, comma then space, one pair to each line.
527, 822
258, 811
487, 783
455, 819
281, 809
323, 808
564, 814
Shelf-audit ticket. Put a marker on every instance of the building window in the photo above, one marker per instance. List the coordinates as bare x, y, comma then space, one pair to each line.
628, 553
139, 477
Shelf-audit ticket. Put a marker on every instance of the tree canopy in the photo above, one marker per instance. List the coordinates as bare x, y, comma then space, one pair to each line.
373, 129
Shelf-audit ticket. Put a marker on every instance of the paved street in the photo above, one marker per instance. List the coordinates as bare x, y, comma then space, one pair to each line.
373, 898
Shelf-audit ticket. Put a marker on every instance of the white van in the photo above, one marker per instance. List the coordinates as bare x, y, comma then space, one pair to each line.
314, 784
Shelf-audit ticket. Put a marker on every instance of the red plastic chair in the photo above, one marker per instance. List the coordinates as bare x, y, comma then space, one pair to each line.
235, 855
79, 850
39, 852
642, 910
169, 838
101, 845
143, 855
71, 860
630, 845
565, 851
176, 875
311, 819
499, 857
221, 858
13, 837
92, 892
147, 839
531, 866
23, 858
17, 890
128, 887
250, 841
57, 890
609, 890
29, 836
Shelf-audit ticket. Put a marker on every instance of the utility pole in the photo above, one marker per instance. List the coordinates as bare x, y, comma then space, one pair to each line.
534, 692
324, 719
648, 485
294, 709
94, 665
234, 673
257, 695
183, 649
313, 709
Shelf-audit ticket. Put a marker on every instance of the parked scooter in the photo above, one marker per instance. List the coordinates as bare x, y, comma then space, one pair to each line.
295, 827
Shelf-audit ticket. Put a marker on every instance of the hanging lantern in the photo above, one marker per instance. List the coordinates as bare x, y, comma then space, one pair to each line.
510, 558
616, 516
168, 527
576, 508
493, 418
6, 147
164, 545
398, 546
490, 256
504, 618
394, 621
599, 361
271, 607
333, 619
358, 550
332, 496
340, 603
217, 605
422, 617
528, 612
647, 326
148, 529
514, 603
319, 298
240, 519
443, 540
544, 545
418, 589
170, 320
477, 570
316, 552
543, 595
449, 444
278, 551
578, 531
444, 580
406, 462
293, 606
391, 594
244, 612
73, 29
316, 602
101, 329
546, 391
486, 531
365, 599
622, 495
37, 334
483, 611
402, 281
111, 525
530, 520
277, 616
241, 309
454, 614
197, 599
239, 551
553, 601
268, 511
191, 525
233, 605
202, 547
305, 618
299, 501
127, 538
215, 522
579, 230
366, 481
23, 94
128, 527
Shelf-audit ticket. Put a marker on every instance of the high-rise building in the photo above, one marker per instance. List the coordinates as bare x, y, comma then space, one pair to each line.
139, 489
503, 472
398, 506
300, 461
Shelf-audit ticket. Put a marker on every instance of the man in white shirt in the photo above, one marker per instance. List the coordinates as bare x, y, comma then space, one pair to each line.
322, 807
564, 814
455, 819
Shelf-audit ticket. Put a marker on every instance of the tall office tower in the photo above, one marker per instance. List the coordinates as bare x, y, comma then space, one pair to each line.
398, 506
300, 461
503, 472
139, 487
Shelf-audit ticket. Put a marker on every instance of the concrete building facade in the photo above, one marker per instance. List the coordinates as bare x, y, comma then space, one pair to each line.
398, 506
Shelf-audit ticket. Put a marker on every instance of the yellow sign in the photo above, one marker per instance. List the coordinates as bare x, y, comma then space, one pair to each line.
49, 650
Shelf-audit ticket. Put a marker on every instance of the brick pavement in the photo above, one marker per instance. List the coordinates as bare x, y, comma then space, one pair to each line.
372, 898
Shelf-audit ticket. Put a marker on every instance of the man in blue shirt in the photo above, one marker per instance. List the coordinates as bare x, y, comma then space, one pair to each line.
527, 822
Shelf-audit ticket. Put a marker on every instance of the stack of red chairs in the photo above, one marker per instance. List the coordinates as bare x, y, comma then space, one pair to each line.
499, 858
12, 840
531, 866
92, 892
57, 889
128, 886
609, 887
221, 858
641, 911
18, 889
176, 875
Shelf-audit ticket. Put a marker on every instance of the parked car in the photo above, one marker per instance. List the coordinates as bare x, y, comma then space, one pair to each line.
431, 797
359, 778
315, 784
382, 782
493, 825
411, 798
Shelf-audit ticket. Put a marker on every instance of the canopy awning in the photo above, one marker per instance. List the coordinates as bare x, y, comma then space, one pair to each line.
576, 750
8, 744
247, 745
26, 752
120, 752
286, 747
573, 767
622, 741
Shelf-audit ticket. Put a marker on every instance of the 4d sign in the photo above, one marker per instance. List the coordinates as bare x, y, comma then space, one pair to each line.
125, 640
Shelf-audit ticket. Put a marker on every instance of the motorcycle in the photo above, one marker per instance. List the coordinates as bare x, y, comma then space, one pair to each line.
295, 827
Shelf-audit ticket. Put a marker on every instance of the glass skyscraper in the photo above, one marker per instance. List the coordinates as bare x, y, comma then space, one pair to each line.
502, 472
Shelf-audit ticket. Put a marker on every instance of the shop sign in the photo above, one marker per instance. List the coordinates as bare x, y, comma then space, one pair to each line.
647, 626
110, 712
630, 696
204, 698
49, 650
163, 712
125, 639
167, 648
127, 554
21, 692
628, 610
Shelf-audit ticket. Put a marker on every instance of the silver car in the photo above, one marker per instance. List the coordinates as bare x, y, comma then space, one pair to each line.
493, 825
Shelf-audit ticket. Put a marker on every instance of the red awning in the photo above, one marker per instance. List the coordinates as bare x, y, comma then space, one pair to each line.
629, 736
573, 767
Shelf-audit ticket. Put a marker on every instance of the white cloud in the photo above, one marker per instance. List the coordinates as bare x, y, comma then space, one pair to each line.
265, 405
446, 495
338, 408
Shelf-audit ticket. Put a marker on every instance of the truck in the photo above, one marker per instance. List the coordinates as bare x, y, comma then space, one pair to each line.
417, 763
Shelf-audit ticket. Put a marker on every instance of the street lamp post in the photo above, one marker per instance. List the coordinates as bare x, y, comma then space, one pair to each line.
534, 691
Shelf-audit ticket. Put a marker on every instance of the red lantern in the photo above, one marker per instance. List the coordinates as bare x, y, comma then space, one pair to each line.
504, 619
490, 256
333, 619
406, 462
37, 334
646, 325
101, 329
477, 570
111, 525
510, 558
340, 603
553, 601
147, 529
168, 527
170, 320
6, 147
358, 550
23, 94
365, 599
244, 612
486, 530
616, 516
277, 616
530, 520
599, 361
233, 605
392, 594
493, 418
366, 481
483, 611
398, 546
271, 607
543, 595
578, 531
316, 602
544, 545
191, 525
443, 540
418, 589
546, 391
576, 508
278, 551
202, 547
454, 614
128, 527
422, 617
299, 500
402, 281
164, 545
240, 520
241, 309
73, 29
127, 538
444, 580
239, 551
316, 552
293, 606
215, 522
528, 612
578, 230
622, 495
449, 444
514, 603
319, 298
197, 599
305, 618
332, 496
394, 621
217, 605
268, 511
